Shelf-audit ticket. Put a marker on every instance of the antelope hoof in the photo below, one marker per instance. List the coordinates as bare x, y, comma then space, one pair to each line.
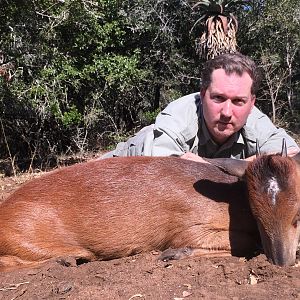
175, 254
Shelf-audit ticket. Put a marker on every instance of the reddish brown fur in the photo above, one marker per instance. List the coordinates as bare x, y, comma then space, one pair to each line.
112, 208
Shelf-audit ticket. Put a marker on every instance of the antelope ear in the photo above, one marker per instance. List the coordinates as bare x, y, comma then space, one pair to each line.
231, 166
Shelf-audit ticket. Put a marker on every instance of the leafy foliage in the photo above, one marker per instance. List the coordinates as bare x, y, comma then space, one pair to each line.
82, 70
271, 34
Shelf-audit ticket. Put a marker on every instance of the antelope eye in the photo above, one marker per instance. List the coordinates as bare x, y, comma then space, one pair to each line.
296, 220
295, 223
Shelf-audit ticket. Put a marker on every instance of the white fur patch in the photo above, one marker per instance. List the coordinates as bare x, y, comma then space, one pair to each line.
273, 189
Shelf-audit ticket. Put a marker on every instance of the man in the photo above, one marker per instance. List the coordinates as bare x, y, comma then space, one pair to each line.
220, 121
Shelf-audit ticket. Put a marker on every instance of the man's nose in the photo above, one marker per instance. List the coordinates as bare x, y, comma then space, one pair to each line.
227, 108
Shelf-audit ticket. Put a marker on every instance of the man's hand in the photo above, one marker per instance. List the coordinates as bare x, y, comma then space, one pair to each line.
250, 158
193, 157
292, 151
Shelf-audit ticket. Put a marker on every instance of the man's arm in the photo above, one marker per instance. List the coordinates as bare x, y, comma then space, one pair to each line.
291, 152
194, 157
260, 128
175, 127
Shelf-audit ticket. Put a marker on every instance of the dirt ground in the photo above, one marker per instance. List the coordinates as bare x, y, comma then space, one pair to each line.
144, 277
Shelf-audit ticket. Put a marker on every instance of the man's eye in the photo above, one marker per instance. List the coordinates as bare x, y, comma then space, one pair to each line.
218, 98
239, 102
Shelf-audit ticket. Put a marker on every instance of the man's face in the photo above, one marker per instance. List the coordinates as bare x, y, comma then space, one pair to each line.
227, 102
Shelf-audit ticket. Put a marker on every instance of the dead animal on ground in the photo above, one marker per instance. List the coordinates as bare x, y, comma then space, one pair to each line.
112, 208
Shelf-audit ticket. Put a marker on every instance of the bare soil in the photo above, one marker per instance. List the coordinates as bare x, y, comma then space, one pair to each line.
143, 276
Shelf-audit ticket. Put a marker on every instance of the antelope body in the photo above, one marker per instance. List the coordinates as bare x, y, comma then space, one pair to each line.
111, 208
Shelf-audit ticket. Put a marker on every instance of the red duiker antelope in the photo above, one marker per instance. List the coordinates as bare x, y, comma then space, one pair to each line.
111, 208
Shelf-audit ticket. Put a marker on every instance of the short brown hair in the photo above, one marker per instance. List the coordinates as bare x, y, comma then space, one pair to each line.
231, 63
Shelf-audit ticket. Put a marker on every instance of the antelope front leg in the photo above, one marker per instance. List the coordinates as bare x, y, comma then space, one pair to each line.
181, 253
213, 243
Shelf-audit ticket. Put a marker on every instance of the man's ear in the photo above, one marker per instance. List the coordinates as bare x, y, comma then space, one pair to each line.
202, 93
